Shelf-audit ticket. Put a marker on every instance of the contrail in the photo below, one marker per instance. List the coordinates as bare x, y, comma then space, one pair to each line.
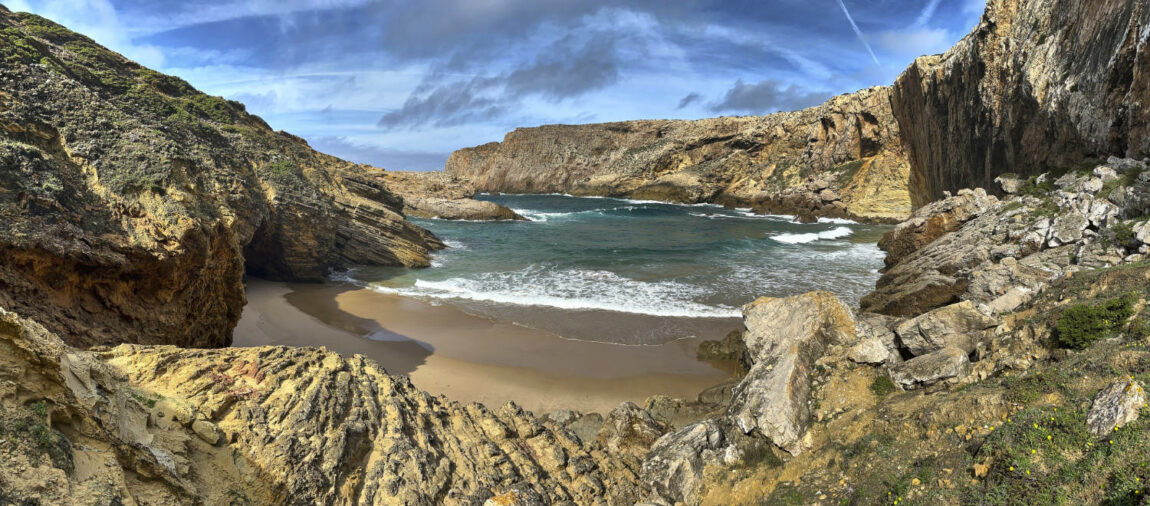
858, 32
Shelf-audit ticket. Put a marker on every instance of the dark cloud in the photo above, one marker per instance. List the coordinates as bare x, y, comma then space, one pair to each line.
380, 157
766, 96
689, 99
567, 68
450, 104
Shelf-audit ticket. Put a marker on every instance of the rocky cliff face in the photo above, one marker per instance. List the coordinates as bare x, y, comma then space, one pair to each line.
842, 158
1038, 85
436, 194
131, 204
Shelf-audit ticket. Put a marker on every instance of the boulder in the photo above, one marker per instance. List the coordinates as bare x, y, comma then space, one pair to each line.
947, 363
1068, 228
730, 347
630, 429
869, 351
960, 325
784, 338
1010, 183
673, 470
1115, 405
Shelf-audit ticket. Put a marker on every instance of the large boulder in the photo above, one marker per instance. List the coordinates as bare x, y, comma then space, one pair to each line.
784, 338
961, 325
1115, 405
673, 471
630, 429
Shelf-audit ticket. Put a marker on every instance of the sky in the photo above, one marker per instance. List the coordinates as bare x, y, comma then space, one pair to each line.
401, 84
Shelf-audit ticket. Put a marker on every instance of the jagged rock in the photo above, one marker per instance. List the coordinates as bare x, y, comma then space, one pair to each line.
869, 351
1013, 298
516, 497
1067, 229
730, 347
298, 425
673, 470
925, 370
784, 338
1115, 406
122, 221
959, 325
1010, 183
845, 145
931, 222
1105, 173
435, 194
630, 429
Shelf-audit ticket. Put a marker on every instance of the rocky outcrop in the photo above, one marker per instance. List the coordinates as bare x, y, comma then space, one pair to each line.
841, 158
132, 204
439, 195
1038, 85
1001, 252
165, 425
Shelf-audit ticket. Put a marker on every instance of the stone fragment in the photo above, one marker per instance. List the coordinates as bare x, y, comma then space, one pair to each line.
673, 470
1115, 405
869, 351
960, 325
918, 372
630, 429
1068, 228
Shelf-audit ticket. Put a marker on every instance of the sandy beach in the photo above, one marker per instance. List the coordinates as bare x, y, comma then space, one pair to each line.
447, 351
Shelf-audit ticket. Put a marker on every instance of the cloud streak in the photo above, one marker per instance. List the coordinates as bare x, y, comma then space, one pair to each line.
858, 32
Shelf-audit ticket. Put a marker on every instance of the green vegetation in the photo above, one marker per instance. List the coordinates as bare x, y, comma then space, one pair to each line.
26, 427
46, 29
282, 167
16, 48
149, 399
882, 386
1083, 324
846, 172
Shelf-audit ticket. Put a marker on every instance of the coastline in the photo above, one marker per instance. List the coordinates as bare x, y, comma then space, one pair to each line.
467, 358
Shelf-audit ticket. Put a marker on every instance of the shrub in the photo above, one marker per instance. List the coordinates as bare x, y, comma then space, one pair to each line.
1081, 325
882, 386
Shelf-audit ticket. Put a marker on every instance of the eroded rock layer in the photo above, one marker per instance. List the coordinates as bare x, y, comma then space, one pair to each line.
1038, 85
842, 158
129, 200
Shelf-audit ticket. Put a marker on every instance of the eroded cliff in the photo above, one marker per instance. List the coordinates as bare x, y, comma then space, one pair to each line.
1038, 85
841, 158
129, 201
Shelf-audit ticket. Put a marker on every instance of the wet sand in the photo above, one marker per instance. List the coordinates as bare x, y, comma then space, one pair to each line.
447, 351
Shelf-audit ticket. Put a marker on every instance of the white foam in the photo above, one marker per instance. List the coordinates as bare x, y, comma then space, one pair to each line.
838, 221
573, 289
834, 233
451, 243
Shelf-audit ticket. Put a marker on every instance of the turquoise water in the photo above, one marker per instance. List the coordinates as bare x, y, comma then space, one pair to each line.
653, 270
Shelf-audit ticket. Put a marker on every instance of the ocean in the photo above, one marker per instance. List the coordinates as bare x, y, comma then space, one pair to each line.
631, 272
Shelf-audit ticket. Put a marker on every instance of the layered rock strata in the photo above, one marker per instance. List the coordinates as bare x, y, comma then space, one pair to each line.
841, 158
132, 204
436, 194
1037, 85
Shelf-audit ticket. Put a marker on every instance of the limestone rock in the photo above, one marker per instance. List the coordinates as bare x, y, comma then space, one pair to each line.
784, 338
1036, 85
925, 370
845, 148
933, 221
673, 470
1115, 405
1068, 229
730, 347
435, 194
122, 221
869, 351
630, 429
959, 325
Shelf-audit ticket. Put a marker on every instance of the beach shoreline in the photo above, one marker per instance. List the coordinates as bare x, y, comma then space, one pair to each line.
446, 351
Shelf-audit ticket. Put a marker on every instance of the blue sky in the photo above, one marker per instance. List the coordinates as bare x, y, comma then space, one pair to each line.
401, 84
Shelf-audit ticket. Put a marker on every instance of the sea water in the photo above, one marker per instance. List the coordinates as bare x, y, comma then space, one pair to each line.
631, 272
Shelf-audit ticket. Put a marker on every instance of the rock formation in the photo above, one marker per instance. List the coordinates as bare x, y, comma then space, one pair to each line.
131, 204
438, 195
164, 425
841, 158
1038, 85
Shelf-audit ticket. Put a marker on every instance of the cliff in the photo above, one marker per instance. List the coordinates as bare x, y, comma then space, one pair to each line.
849, 145
131, 204
1038, 85
435, 194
